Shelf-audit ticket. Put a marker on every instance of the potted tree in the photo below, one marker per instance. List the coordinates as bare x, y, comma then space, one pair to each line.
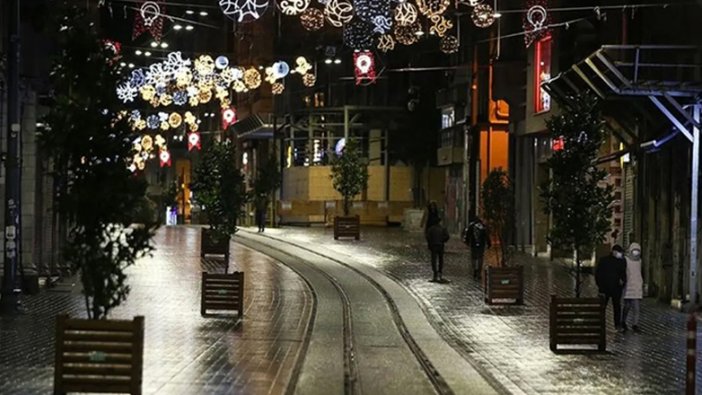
267, 181
349, 175
111, 220
218, 186
503, 282
580, 206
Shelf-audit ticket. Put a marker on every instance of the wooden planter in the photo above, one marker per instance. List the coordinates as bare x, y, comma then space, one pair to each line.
347, 227
578, 322
210, 246
505, 285
222, 292
98, 355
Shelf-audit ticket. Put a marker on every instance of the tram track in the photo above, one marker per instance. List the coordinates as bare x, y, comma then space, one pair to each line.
352, 378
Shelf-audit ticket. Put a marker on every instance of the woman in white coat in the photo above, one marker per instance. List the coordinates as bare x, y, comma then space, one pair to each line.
633, 291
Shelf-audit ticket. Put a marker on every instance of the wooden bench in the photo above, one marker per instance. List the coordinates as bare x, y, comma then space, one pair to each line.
578, 322
222, 292
347, 227
505, 285
98, 355
210, 246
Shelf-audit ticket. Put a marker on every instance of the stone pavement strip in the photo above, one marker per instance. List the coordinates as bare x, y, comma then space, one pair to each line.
184, 353
510, 344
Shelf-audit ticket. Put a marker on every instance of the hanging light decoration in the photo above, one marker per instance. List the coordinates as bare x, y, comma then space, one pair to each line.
293, 7
194, 141
165, 158
405, 14
386, 43
252, 78
338, 12
407, 35
243, 11
433, 7
440, 25
364, 66
483, 15
449, 44
175, 120
312, 19
358, 35
309, 80
303, 66
277, 88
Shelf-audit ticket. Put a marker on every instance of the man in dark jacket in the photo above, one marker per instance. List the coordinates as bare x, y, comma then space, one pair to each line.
477, 238
610, 277
437, 236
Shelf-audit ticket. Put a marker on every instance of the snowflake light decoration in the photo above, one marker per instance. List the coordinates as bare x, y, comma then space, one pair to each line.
358, 35
126, 92
148, 92
153, 122
293, 7
204, 65
312, 19
405, 14
386, 43
449, 44
137, 79
243, 11
338, 12
482, 15
433, 7
180, 98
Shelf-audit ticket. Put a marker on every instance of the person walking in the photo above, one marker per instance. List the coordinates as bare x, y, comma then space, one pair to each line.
633, 293
610, 276
261, 207
437, 236
476, 237
431, 216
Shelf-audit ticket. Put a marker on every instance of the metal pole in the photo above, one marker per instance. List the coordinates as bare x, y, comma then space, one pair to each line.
690, 385
8, 301
694, 204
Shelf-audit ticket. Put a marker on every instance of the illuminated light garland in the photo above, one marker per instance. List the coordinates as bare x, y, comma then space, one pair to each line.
252, 78
204, 65
166, 100
358, 35
126, 92
180, 98
338, 12
293, 7
243, 11
270, 75
449, 44
483, 15
277, 88
147, 143
407, 35
153, 122
302, 65
137, 78
309, 80
194, 101
205, 96
312, 19
175, 120
386, 43
405, 14
440, 25
189, 118
184, 78
433, 7
221, 93
165, 126
239, 86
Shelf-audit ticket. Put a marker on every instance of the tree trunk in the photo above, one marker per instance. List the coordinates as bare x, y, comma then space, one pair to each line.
347, 202
577, 273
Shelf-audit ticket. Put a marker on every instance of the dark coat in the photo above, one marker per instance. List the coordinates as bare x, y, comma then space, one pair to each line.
436, 235
610, 275
476, 236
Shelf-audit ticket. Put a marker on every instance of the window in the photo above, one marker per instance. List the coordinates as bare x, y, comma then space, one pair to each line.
448, 117
542, 67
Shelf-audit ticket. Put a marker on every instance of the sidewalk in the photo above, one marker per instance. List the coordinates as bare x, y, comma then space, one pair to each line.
184, 353
511, 343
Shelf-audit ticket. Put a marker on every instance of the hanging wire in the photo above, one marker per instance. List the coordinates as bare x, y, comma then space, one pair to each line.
175, 18
602, 7
170, 4
525, 32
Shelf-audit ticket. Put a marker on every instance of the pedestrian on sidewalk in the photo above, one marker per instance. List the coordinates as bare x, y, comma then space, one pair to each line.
261, 207
437, 236
610, 276
477, 238
431, 216
633, 293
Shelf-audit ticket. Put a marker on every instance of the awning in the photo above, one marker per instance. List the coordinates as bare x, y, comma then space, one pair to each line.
256, 126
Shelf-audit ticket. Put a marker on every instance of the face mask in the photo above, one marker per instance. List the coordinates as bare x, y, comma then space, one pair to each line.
636, 253
618, 255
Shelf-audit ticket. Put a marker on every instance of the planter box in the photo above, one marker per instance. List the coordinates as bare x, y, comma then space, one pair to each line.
222, 292
347, 227
209, 246
505, 285
578, 323
104, 356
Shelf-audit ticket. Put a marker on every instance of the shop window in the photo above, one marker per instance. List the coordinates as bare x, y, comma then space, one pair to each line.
448, 117
542, 62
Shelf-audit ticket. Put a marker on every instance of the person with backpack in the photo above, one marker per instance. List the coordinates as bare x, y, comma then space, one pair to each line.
477, 238
437, 236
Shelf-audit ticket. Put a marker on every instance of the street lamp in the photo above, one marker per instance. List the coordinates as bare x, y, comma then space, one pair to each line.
138, 52
177, 27
189, 27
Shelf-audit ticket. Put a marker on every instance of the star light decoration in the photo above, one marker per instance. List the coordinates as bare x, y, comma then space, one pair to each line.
149, 18
312, 19
293, 7
243, 11
536, 21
